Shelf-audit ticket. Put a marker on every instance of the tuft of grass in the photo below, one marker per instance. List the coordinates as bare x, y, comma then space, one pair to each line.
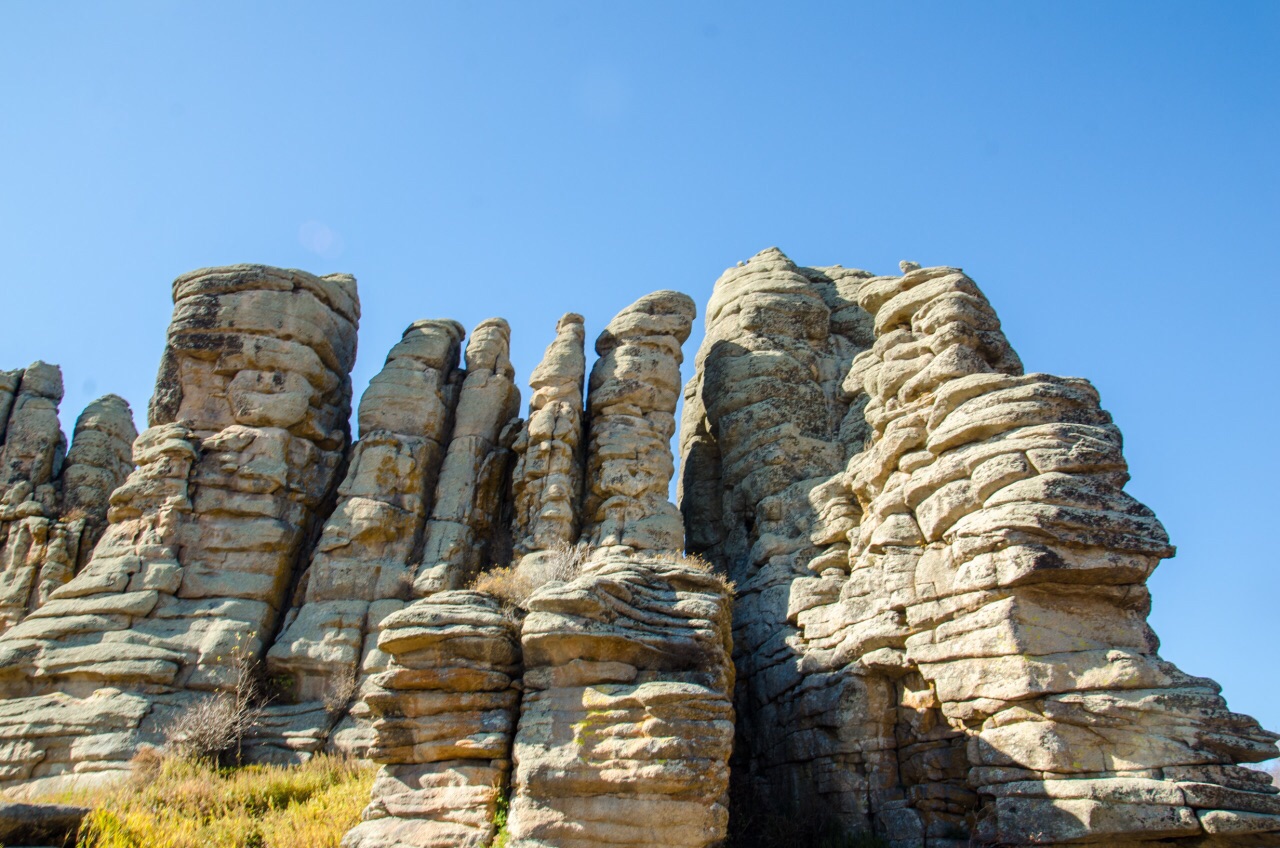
171, 802
500, 822
514, 584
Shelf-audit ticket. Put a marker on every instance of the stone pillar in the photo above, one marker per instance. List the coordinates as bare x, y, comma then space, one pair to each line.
631, 403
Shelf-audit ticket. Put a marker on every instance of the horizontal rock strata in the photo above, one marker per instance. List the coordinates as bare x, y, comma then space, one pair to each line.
946, 639
626, 724
445, 711
935, 631
53, 502
248, 429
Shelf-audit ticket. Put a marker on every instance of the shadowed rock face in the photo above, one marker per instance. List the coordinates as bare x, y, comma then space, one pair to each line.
941, 618
53, 503
936, 626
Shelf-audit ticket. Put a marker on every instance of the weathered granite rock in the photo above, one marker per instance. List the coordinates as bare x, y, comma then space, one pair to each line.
939, 630
362, 567
547, 481
631, 403
470, 492
626, 724
445, 713
52, 507
946, 639
248, 429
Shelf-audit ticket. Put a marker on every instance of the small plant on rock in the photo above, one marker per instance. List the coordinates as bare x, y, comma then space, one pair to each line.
214, 727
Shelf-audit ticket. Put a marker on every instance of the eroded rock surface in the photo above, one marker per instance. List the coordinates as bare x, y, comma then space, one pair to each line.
946, 637
631, 403
248, 430
547, 482
53, 503
626, 724
938, 628
445, 712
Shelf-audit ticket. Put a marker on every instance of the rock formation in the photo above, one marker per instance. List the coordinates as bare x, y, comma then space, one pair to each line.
248, 430
940, 629
53, 503
631, 404
626, 723
922, 610
547, 482
445, 715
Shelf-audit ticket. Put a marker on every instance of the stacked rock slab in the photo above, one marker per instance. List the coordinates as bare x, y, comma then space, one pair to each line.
445, 713
362, 565
631, 402
53, 507
626, 724
547, 481
971, 659
248, 430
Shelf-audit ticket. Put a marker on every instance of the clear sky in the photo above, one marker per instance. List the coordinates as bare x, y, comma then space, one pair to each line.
1106, 172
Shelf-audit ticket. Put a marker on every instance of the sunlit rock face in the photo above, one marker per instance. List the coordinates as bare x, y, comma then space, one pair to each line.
940, 627
53, 501
903, 593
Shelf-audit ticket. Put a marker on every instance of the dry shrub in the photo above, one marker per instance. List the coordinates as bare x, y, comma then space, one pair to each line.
514, 584
341, 690
214, 727
692, 561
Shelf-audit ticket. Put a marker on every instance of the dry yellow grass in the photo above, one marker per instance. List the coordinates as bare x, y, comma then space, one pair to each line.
176, 803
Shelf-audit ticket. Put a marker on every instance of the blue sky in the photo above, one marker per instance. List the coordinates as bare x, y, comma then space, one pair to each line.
1106, 172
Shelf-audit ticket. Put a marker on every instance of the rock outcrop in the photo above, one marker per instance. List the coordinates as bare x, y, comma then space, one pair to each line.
631, 403
445, 713
248, 431
547, 482
626, 723
362, 567
944, 639
921, 613
53, 503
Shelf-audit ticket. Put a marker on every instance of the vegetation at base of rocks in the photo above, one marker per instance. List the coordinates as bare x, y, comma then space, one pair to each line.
170, 802
693, 561
500, 822
514, 584
214, 727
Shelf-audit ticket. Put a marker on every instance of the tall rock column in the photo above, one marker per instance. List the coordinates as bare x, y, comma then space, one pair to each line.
361, 570
766, 425
52, 509
631, 402
248, 429
547, 482
945, 640
468, 505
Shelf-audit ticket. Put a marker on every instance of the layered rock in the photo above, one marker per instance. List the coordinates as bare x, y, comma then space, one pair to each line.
626, 724
53, 503
362, 565
631, 402
471, 492
423, 497
547, 481
445, 713
968, 656
248, 430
